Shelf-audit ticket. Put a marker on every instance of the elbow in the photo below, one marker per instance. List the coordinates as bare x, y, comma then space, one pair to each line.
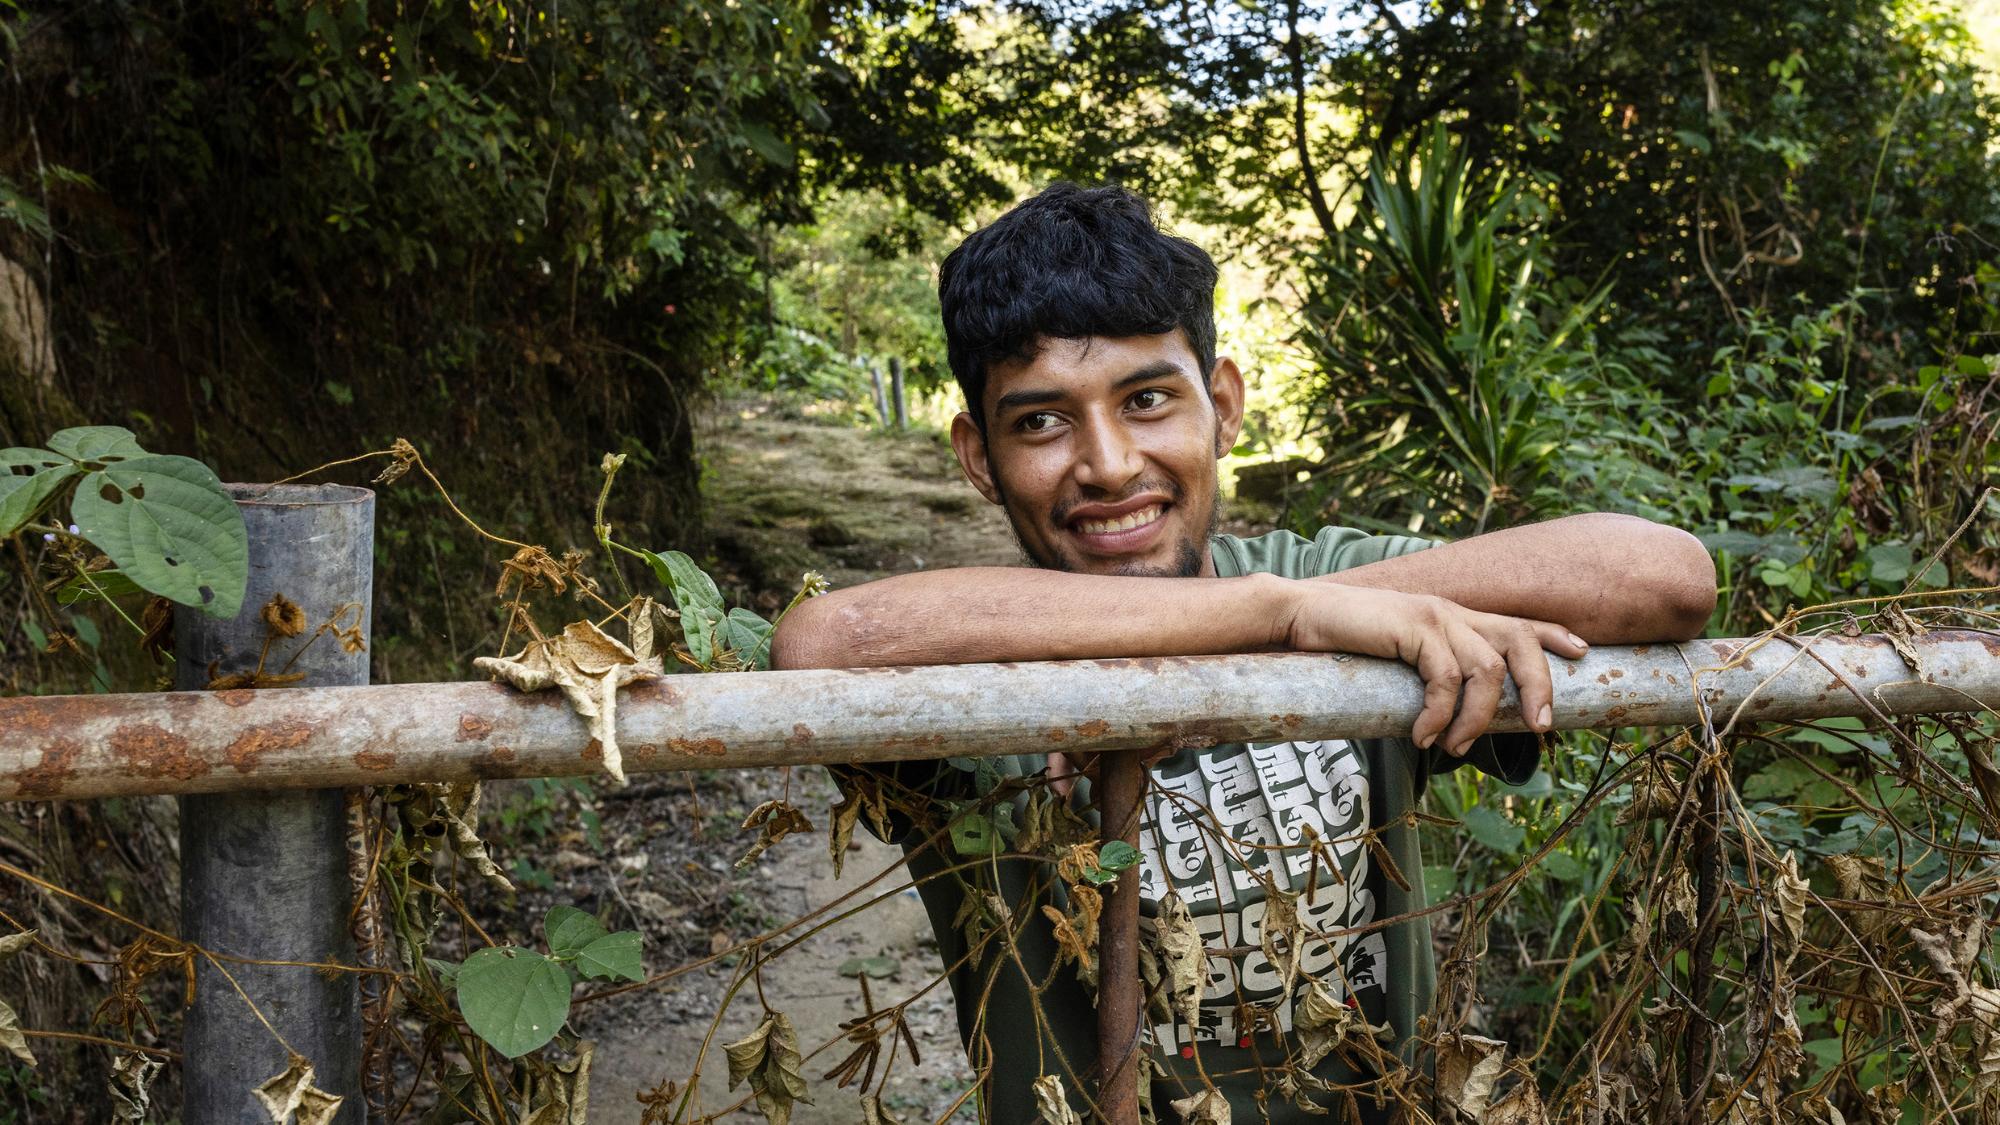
802, 639
1677, 577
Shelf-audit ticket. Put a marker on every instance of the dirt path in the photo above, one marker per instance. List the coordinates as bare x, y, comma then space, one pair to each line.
789, 491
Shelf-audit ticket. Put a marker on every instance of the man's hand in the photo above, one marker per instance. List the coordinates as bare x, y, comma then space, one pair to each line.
1463, 655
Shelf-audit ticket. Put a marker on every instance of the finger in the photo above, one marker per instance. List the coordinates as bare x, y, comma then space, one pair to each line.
1530, 669
1559, 640
1439, 668
1485, 671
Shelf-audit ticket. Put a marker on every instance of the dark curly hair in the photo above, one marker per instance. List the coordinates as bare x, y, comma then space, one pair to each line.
1068, 263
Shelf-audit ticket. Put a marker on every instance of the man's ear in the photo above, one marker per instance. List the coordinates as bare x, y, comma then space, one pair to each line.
1225, 390
970, 446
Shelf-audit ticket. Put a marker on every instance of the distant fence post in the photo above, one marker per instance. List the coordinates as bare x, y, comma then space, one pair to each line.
881, 400
264, 875
896, 382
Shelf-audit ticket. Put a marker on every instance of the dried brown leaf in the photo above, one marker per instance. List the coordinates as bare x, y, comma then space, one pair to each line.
588, 666
768, 1058
1052, 1103
1282, 938
131, 1086
291, 1094
283, 617
11, 1037
1467, 1068
1203, 1107
778, 819
1183, 956
1791, 892
1521, 1106
872, 1112
1323, 1024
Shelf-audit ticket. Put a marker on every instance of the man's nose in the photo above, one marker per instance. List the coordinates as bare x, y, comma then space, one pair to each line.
1109, 459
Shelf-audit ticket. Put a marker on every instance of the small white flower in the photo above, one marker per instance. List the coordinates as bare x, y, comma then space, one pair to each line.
72, 529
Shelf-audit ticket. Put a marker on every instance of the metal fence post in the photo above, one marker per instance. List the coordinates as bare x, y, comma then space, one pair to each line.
1122, 787
264, 875
896, 385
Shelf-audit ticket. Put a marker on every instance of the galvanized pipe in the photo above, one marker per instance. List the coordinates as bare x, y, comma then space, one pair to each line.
264, 874
306, 738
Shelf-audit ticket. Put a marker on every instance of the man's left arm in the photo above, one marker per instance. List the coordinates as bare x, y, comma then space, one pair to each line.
1610, 579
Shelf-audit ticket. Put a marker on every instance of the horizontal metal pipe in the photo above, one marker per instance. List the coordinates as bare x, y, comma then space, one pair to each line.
208, 742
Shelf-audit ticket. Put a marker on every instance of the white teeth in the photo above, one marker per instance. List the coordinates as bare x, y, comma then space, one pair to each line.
1127, 522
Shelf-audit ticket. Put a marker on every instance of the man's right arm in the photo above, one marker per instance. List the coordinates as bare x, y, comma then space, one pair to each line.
1002, 614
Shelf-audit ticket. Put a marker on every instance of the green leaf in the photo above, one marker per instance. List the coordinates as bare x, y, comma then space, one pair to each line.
109, 584
695, 595
1889, 563
446, 971
749, 637
1970, 365
22, 494
167, 524
515, 999
569, 930
1493, 830
972, 834
1563, 867
612, 957
1117, 855
767, 144
103, 445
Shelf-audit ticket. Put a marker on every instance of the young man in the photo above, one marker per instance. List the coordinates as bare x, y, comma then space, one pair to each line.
1096, 409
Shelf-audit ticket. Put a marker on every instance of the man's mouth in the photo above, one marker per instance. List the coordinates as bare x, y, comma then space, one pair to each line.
1127, 522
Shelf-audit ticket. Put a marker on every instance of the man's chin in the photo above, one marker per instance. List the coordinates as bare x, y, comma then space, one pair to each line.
1185, 561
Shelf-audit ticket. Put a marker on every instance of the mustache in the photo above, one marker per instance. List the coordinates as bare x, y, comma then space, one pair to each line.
1059, 515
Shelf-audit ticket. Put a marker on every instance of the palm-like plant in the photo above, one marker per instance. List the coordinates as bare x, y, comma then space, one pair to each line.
1437, 344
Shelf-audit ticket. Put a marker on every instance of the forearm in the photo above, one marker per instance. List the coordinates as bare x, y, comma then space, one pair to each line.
979, 614
1610, 579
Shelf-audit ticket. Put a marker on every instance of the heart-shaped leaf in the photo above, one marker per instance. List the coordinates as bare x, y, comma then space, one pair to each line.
612, 957
569, 930
513, 998
102, 445
168, 525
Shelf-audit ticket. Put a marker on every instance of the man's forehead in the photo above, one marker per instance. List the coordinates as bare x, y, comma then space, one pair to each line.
1090, 362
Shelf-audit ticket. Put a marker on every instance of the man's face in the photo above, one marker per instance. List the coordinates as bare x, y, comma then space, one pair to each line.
1103, 452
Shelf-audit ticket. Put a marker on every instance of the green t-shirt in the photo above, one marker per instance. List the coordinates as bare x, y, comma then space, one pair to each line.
1212, 817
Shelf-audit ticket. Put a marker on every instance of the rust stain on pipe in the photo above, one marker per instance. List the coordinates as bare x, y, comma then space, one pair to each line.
250, 747
151, 750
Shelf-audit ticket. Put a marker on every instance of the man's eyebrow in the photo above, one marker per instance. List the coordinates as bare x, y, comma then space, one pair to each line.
1158, 369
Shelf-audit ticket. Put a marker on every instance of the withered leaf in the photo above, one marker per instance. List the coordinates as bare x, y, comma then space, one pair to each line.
1791, 891
458, 807
1076, 932
1521, 1106
588, 666
11, 1037
1677, 903
1282, 938
872, 1112
1203, 1107
563, 1097
283, 617
768, 1058
1184, 955
290, 1093
1323, 1024
1052, 1103
778, 819
1467, 1068
131, 1084
15, 943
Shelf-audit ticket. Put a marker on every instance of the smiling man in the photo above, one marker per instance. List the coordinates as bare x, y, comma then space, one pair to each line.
1096, 409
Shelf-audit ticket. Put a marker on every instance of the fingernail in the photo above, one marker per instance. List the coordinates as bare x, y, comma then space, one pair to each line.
1543, 717
1424, 743
1578, 641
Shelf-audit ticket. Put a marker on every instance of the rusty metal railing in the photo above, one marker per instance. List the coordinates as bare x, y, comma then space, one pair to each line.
306, 738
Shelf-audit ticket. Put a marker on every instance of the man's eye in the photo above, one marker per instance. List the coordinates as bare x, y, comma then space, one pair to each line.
1147, 400
1037, 422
